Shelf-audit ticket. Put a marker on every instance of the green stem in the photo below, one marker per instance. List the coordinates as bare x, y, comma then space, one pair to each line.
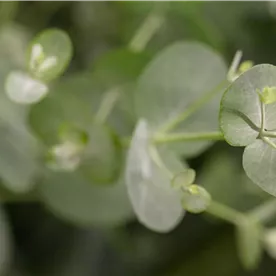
224, 212
264, 212
109, 100
271, 134
234, 65
193, 107
149, 27
262, 116
180, 137
269, 142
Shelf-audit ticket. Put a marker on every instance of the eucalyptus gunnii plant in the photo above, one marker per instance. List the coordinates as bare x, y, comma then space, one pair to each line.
110, 142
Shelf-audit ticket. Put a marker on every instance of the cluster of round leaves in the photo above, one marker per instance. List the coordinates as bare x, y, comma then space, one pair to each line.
47, 58
85, 155
247, 118
89, 152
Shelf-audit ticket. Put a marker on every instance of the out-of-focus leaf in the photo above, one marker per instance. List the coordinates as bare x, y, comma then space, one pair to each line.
49, 54
21, 88
102, 157
18, 147
155, 202
73, 101
245, 120
183, 179
249, 243
175, 79
71, 197
120, 66
95, 151
5, 243
13, 44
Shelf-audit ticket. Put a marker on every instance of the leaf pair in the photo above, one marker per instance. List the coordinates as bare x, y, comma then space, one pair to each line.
194, 198
172, 82
47, 58
247, 120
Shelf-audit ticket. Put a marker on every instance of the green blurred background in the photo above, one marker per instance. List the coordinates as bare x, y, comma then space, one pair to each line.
43, 244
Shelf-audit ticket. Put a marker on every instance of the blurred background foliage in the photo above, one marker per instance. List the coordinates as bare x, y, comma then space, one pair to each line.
91, 230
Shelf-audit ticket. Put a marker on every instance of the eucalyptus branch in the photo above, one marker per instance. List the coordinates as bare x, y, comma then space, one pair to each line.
262, 213
191, 137
225, 213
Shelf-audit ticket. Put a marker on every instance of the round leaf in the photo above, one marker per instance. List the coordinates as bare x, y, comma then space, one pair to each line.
177, 77
49, 54
72, 198
259, 162
155, 202
195, 199
21, 88
240, 114
183, 179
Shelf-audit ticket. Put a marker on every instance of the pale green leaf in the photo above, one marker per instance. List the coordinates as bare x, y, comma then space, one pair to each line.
195, 199
183, 179
259, 162
177, 77
70, 197
49, 54
148, 176
248, 235
240, 115
19, 149
102, 158
23, 89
